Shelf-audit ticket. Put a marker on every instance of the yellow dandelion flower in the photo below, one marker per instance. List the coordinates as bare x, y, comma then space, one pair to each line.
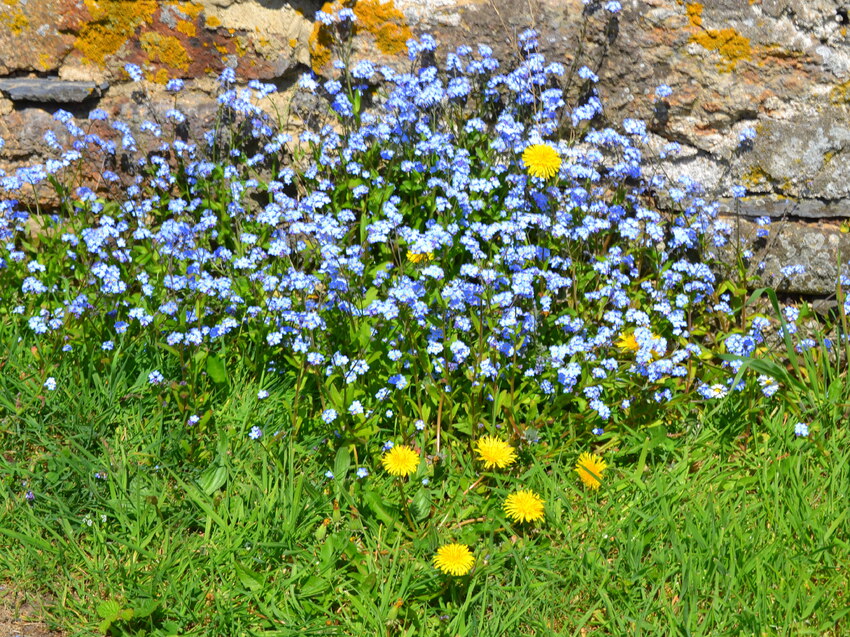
454, 559
541, 160
401, 460
589, 468
628, 343
419, 257
495, 453
524, 506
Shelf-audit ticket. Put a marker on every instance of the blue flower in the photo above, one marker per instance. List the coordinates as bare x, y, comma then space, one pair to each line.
362, 472
255, 433
134, 72
50, 384
262, 394
155, 377
801, 430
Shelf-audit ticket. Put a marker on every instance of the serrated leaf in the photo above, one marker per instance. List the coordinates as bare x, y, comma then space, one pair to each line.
109, 610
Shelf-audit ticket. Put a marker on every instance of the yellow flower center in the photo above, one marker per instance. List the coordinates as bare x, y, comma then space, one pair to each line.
495, 453
454, 559
524, 506
589, 468
541, 160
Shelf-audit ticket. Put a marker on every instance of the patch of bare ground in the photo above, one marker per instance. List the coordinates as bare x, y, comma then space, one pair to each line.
19, 614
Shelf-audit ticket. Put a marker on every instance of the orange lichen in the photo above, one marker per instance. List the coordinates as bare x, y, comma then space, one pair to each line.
187, 28
293, 42
165, 49
191, 9
213, 22
731, 45
382, 20
158, 77
112, 23
321, 39
221, 49
386, 23
694, 11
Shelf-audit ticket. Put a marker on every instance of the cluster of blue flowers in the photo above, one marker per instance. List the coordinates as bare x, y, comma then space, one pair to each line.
391, 248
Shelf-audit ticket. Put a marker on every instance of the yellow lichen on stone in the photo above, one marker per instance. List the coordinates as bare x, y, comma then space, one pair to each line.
756, 176
13, 18
18, 23
191, 9
694, 11
382, 20
165, 49
731, 45
187, 28
45, 61
213, 22
840, 94
112, 23
158, 77
386, 23
293, 42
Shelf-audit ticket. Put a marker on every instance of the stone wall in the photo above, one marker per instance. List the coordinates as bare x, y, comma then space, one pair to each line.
781, 67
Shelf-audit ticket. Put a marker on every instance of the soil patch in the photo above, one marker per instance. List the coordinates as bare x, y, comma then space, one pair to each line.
19, 615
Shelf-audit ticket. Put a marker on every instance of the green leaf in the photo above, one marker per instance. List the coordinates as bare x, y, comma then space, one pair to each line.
342, 463
212, 479
250, 580
420, 507
216, 370
109, 610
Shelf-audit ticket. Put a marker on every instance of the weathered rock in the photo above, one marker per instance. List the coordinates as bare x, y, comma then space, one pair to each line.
819, 247
777, 206
50, 90
32, 36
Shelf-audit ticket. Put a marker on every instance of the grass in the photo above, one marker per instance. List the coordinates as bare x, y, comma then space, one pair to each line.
735, 527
